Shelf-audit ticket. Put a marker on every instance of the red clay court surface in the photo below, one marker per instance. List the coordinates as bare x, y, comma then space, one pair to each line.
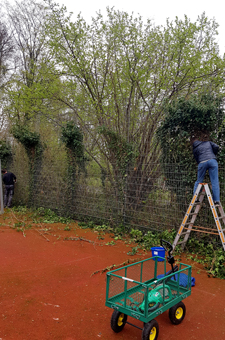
48, 291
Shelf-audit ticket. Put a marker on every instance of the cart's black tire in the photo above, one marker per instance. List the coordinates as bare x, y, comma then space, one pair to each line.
177, 313
150, 330
118, 321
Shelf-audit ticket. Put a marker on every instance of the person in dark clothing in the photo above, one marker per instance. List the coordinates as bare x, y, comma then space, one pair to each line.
205, 155
8, 179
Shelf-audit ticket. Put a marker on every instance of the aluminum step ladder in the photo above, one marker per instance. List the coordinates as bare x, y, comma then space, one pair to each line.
188, 222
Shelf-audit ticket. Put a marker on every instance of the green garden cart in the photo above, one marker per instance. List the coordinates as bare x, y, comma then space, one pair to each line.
146, 289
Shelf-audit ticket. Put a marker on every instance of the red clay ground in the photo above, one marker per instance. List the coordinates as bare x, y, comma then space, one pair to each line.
48, 291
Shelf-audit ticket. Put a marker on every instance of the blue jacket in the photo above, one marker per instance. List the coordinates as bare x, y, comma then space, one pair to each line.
203, 151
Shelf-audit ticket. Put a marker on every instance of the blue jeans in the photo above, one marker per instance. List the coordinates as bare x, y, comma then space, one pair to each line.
212, 166
8, 195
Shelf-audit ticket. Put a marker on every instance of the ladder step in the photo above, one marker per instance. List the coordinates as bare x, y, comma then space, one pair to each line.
181, 242
191, 214
221, 217
185, 233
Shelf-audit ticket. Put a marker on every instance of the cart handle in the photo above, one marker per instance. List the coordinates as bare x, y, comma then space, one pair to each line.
170, 258
168, 243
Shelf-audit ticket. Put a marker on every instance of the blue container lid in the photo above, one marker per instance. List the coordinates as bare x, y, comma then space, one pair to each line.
158, 251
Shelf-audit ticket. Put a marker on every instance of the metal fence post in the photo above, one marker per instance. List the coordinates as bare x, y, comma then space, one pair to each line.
1, 193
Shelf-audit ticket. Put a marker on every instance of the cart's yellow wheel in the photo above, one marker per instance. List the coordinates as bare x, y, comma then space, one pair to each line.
118, 321
153, 333
177, 313
150, 330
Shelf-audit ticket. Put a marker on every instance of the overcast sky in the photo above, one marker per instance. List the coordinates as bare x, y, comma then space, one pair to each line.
158, 10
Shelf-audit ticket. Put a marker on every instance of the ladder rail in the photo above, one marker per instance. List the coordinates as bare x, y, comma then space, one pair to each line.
222, 214
215, 215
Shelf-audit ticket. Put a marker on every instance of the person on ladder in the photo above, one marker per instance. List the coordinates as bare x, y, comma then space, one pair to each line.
205, 154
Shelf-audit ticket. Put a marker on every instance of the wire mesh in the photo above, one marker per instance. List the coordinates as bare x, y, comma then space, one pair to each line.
134, 199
